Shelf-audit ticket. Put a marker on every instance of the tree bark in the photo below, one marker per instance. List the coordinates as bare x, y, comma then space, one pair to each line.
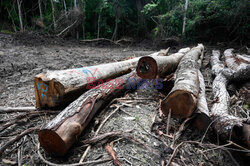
61, 132
59, 88
202, 119
182, 99
153, 67
226, 125
19, 5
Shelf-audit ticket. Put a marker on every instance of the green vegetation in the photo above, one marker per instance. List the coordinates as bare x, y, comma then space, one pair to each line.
209, 20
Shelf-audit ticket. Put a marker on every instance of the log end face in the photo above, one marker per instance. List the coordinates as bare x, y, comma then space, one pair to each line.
181, 104
201, 121
147, 68
246, 133
52, 142
47, 92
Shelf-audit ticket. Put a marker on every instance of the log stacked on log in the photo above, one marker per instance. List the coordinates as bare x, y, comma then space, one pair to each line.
159, 66
185, 99
59, 88
226, 125
182, 99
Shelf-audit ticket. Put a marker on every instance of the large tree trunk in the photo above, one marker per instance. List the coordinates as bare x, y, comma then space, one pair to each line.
182, 99
60, 133
226, 125
153, 67
59, 88
19, 5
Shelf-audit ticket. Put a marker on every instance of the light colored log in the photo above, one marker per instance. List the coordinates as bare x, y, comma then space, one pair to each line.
159, 66
182, 99
60, 87
244, 58
226, 125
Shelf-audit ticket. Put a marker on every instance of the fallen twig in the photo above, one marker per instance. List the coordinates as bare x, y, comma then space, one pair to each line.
113, 155
97, 131
75, 164
10, 142
105, 136
16, 109
19, 118
173, 154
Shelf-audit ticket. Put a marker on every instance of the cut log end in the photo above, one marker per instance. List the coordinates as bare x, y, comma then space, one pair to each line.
52, 142
47, 92
181, 104
147, 68
201, 121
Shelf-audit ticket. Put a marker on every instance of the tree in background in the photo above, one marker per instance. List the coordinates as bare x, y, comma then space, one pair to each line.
209, 20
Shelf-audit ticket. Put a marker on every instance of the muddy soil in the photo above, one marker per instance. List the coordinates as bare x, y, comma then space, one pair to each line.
24, 56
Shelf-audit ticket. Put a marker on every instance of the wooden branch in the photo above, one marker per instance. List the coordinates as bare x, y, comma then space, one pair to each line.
16, 109
60, 134
105, 136
113, 155
183, 97
59, 88
18, 137
159, 66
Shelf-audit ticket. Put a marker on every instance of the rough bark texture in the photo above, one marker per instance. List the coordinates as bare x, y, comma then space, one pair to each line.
59, 88
202, 119
153, 67
182, 99
226, 125
61, 132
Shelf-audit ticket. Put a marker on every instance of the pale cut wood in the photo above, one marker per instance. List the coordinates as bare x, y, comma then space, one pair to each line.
61, 132
159, 66
182, 99
226, 125
60, 87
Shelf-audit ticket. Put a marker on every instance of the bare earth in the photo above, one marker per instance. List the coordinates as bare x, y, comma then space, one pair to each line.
21, 59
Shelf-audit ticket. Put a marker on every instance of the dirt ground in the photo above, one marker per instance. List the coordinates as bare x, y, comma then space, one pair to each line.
24, 56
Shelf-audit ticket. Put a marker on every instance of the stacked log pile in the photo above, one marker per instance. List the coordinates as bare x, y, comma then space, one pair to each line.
187, 97
88, 90
61, 87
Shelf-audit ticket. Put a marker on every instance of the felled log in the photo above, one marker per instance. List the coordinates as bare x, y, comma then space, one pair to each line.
244, 58
182, 99
232, 61
61, 132
226, 125
59, 88
202, 119
153, 67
